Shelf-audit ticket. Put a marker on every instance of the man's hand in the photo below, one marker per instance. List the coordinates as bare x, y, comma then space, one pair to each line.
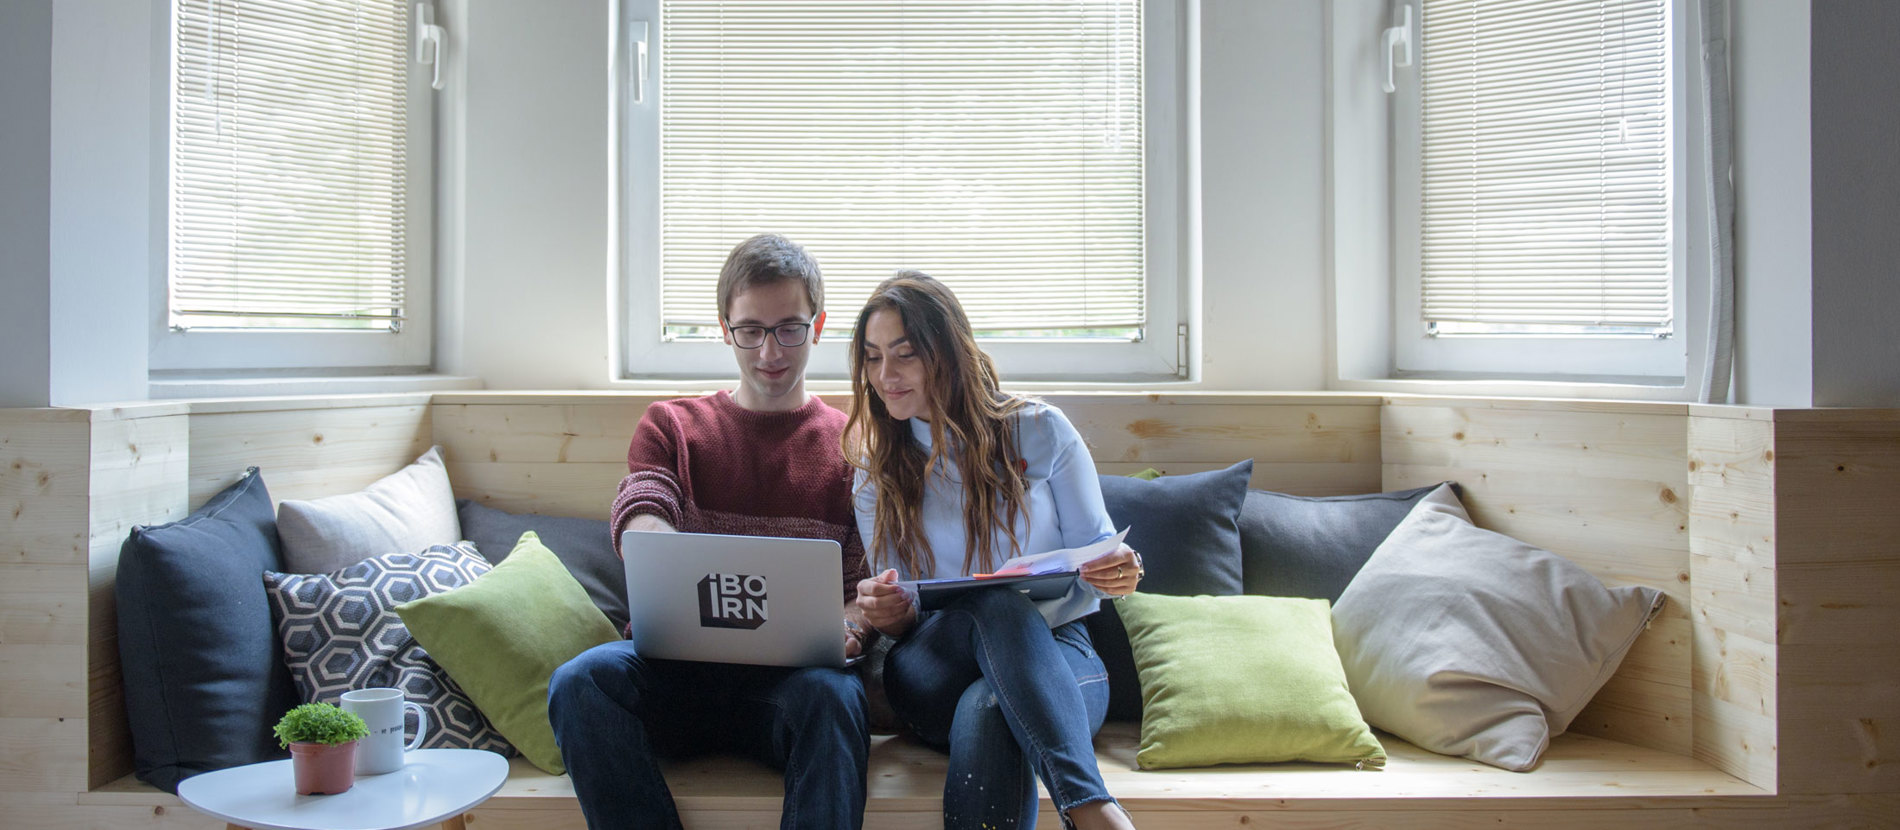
886, 605
650, 522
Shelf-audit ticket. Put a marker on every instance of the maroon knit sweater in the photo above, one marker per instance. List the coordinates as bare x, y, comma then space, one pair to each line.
707, 465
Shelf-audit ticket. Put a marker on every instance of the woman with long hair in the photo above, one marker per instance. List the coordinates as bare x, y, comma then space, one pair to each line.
955, 477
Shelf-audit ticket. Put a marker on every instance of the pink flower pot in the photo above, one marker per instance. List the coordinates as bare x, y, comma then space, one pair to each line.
323, 769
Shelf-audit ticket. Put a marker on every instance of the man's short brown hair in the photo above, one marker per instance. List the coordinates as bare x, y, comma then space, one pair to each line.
766, 259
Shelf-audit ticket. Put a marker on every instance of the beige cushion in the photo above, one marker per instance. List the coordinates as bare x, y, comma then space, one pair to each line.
1468, 642
409, 510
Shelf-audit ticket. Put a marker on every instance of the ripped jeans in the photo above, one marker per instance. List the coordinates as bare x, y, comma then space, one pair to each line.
1011, 700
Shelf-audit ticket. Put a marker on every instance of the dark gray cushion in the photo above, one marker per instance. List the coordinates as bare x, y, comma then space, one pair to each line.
585, 546
203, 680
1187, 529
1305, 546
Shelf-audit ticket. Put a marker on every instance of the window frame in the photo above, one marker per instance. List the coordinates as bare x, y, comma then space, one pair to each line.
1378, 211
409, 347
1162, 353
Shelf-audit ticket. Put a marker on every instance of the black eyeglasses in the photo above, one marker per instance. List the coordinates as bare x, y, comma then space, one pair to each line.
787, 335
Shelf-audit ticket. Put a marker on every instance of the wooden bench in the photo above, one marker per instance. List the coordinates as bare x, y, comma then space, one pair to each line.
1768, 693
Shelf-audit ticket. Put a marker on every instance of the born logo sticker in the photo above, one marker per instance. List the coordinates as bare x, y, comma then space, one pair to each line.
732, 601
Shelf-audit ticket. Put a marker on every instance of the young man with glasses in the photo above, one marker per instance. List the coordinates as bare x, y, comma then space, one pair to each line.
762, 460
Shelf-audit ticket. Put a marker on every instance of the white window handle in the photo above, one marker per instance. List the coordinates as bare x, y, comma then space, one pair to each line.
1399, 36
638, 30
433, 37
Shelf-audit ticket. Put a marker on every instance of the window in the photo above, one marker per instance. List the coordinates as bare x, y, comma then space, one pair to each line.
1539, 208
1010, 149
297, 181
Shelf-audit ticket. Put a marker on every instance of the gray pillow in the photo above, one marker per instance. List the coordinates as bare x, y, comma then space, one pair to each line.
1187, 529
403, 512
585, 546
1305, 546
1468, 642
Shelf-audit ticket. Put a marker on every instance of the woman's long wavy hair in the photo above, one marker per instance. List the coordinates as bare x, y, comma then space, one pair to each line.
969, 424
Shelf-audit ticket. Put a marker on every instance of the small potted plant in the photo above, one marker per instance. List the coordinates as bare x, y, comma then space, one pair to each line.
322, 740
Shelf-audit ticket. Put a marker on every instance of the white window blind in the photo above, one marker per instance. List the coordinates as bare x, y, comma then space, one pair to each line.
996, 145
288, 164
1545, 163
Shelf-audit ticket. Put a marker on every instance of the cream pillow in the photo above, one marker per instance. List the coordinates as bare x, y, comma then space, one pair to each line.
1468, 642
406, 511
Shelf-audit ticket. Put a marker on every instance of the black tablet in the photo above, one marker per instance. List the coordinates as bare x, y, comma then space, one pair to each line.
933, 594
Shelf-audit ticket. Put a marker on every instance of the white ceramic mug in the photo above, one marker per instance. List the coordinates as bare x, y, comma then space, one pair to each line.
382, 710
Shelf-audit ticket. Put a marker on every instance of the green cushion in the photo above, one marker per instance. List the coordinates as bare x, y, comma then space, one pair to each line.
501, 636
1240, 680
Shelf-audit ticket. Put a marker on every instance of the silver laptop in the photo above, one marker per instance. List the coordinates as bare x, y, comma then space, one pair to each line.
735, 599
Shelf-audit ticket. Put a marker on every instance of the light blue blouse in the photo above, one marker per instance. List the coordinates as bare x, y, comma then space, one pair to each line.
1063, 507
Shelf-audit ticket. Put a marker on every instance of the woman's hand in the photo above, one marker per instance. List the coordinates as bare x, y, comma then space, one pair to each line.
1115, 573
886, 605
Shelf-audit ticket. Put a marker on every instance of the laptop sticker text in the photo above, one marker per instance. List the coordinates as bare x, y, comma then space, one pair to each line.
732, 601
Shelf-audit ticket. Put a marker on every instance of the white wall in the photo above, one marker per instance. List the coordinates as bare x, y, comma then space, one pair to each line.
1773, 245
26, 68
75, 215
1856, 182
1263, 190
103, 260
531, 186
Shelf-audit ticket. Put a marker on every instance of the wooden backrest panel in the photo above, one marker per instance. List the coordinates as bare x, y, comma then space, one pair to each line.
1603, 485
305, 453
1837, 601
565, 456
44, 482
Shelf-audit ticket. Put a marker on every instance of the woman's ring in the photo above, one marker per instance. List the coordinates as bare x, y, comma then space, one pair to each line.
1118, 572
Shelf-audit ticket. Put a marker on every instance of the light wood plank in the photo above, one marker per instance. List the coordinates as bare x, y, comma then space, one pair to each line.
1633, 709
578, 489
1736, 740
1839, 752
45, 681
1596, 445
1537, 405
1737, 669
1735, 523
1297, 479
1136, 432
1734, 598
1841, 602
596, 433
305, 454
44, 754
1625, 531
56, 811
43, 474
39, 604
1838, 482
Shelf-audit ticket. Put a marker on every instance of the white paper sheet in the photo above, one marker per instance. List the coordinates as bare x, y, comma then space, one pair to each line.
1067, 559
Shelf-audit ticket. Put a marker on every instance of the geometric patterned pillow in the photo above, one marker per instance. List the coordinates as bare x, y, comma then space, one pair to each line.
339, 632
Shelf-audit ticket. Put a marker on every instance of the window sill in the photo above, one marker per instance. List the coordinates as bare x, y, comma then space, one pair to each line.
1627, 389
171, 388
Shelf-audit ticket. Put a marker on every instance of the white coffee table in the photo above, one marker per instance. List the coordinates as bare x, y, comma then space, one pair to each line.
436, 786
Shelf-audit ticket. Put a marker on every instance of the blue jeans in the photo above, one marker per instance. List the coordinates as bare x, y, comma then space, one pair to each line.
614, 712
1009, 698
